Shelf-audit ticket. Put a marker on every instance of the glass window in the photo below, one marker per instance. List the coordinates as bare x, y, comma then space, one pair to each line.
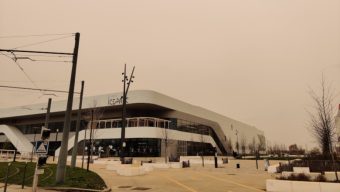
102, 124
108, 124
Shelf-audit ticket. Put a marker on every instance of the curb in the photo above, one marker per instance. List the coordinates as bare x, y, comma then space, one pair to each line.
75, 189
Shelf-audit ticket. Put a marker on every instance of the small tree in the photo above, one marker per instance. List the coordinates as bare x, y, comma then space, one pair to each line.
322, 120
243, 143
322, 123
261, 146
252, 146
229, 145
167, 142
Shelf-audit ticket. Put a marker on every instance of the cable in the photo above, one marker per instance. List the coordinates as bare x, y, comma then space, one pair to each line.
7, 56
41, 42
21, 68
50, 61
35, 89
28, 77
41, 35
18, 56
37, 55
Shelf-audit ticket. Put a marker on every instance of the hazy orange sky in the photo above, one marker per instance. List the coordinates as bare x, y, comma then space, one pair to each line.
251, 60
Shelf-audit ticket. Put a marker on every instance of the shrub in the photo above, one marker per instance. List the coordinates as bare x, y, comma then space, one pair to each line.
320, 178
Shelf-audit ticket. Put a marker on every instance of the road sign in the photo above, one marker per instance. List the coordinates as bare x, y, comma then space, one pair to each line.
41, 148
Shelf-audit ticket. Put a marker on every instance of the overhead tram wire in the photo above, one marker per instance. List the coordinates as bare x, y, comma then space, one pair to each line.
41, 55
35, 89
22, 69
38, 35
29, 57
41, 42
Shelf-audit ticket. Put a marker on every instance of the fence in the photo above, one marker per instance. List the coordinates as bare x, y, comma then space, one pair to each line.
6, 154
314, 165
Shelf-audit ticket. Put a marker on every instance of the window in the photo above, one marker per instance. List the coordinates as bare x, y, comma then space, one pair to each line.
108, 124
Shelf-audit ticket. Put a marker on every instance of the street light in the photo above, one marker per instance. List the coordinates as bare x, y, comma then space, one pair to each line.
55, 145
126, 84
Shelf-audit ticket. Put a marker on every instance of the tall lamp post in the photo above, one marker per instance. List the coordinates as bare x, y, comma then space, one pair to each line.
56, 140
126, 84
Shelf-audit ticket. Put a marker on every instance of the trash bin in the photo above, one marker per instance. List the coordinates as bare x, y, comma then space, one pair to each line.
237, 165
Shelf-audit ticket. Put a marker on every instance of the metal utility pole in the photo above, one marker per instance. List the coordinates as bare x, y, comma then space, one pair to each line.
55, 146
126, 86
47, 118
75, 146
61, 168
62, 159
83, 158
41, 157
89, 146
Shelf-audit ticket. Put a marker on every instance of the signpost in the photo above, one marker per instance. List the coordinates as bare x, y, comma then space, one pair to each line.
41, 149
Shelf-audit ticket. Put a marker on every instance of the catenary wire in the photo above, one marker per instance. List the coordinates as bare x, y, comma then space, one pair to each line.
38, 35
41, 42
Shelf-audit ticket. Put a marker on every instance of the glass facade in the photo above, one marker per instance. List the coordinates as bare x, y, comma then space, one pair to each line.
36, 128
137, 147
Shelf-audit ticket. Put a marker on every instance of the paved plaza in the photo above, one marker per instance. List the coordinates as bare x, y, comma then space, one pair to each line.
226, 178
194, 179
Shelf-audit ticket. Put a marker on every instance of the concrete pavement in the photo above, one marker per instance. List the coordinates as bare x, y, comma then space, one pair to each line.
193, 179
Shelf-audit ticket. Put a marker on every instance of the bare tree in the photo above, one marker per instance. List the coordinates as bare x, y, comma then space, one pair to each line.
261, 146
92, 116
322, 123
243, 143
167, 142
237, 147
252, 146
229, 145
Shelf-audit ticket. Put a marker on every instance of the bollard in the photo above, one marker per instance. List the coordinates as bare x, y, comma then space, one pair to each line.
23, 178
6, 180
216, 162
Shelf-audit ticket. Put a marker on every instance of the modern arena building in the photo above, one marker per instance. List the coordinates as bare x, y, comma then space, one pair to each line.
154, 122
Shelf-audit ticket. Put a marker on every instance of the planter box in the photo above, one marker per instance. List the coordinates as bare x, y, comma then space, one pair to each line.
131, 171
273, 168
300, 186
330, 176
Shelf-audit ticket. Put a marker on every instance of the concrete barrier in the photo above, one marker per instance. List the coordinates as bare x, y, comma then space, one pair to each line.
286, 173
304, 170
158, 165
298, 186
330, 175
208, 160
273, 168
175, 165
147, 167
131, 171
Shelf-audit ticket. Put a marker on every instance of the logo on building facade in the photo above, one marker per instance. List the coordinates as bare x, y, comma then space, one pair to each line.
115, 100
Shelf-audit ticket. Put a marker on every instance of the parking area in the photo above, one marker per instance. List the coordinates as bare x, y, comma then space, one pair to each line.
196, 178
